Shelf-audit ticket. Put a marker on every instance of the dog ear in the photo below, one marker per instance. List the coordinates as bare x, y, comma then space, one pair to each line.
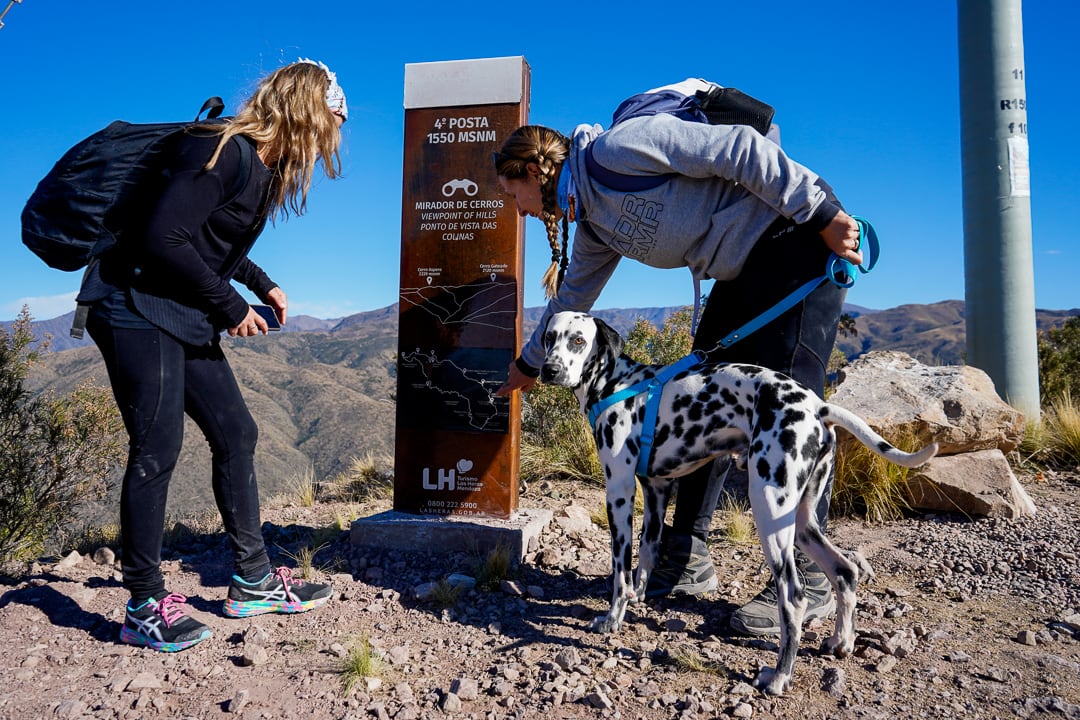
609, 337
544, 338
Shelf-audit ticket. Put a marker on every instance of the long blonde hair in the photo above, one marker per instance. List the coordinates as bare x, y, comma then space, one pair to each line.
548, 149
289, 119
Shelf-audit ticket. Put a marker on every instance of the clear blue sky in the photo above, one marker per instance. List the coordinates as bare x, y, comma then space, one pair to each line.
866, 95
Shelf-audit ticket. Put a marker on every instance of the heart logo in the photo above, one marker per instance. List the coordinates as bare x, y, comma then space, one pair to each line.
464, 466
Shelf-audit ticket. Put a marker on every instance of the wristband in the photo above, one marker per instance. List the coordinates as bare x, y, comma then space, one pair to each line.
525, 368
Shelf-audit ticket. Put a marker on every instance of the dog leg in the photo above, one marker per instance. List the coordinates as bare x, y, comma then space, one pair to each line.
655, 494
620, 513
775, 517
843, 574
842, 571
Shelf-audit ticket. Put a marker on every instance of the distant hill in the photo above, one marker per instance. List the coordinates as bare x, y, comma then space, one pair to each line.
323, 391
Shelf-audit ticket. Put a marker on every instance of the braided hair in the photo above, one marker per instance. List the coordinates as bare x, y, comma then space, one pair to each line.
548, 149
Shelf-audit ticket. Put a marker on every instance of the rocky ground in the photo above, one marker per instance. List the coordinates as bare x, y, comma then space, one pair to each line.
973, 619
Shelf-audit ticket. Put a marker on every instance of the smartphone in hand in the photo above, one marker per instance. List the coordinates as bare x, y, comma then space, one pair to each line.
268, 314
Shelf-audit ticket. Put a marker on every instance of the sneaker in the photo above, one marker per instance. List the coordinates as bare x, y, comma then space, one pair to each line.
760, 616
278, 592
162, 625
685, 568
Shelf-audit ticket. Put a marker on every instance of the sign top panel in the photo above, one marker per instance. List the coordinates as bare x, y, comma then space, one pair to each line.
486, 81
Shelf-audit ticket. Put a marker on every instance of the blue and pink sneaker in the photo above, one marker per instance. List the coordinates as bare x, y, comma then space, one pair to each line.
162, 625
278, 592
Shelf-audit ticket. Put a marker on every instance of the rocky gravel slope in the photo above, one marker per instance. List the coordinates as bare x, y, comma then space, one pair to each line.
966, 618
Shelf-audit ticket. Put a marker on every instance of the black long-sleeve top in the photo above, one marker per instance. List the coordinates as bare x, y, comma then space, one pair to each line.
197, 240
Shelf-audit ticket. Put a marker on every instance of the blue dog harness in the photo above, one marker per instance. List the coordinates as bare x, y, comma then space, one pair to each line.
654, 388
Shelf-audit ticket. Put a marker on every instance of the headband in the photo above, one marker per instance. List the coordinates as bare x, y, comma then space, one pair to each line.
335, 96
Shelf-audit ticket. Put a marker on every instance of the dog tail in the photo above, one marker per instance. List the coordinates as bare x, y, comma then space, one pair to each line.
836, 415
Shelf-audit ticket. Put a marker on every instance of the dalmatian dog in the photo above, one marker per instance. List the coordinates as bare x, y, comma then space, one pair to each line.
784, 431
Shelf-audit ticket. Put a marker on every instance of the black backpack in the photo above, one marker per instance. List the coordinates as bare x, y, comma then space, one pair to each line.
82, 206
715, 106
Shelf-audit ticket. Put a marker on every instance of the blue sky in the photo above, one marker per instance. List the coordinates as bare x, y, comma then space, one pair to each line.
866, 95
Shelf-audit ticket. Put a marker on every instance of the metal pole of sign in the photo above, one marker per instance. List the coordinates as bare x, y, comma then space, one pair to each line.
6, 9
999, 277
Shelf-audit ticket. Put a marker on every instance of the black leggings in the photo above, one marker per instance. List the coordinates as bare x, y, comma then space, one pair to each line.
798, 343
156, 379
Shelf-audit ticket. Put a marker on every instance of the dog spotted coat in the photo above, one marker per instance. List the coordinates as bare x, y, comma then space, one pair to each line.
782, 429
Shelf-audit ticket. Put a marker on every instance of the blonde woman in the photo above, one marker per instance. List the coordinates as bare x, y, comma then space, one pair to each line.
732, 207
161, 300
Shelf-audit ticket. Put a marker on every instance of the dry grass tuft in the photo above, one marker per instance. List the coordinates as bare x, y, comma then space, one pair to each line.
869, 486
570, 455
362, 662
734, 521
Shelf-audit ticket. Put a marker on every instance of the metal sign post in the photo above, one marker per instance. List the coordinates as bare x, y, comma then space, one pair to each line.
460, 304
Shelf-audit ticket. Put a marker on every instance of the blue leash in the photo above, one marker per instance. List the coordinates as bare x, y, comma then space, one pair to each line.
838, 271
654, 387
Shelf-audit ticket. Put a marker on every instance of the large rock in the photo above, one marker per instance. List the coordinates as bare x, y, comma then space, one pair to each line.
955, 405
978, 483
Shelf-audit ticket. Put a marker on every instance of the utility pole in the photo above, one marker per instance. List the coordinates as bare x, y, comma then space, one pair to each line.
9, 6
998, 271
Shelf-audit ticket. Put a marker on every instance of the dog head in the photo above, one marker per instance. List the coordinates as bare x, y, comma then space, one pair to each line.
579, 349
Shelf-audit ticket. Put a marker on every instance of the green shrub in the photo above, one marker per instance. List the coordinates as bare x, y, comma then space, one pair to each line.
669, 344
557, 441
55, 452
1059, 362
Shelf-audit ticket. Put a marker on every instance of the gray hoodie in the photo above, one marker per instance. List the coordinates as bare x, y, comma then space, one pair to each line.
731, 183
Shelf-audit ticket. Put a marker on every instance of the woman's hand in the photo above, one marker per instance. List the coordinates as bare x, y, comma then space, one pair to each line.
277, 300
516, 380
842, 237
251, 325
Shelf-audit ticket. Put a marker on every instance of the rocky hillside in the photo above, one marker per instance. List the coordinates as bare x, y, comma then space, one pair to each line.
323, 391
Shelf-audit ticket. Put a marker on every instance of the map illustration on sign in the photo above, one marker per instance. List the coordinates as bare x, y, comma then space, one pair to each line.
453, 389
450, 363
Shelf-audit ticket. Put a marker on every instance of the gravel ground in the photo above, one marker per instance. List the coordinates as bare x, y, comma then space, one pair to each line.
966, 618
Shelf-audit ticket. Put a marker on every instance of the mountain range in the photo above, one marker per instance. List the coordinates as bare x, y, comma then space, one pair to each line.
323, 390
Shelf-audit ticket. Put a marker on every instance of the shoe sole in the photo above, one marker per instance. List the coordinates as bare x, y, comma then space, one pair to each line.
705, 586
248, 608
132, 637
824, 611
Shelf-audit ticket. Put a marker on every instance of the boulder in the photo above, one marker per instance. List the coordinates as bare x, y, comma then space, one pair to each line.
979, 483
953, 405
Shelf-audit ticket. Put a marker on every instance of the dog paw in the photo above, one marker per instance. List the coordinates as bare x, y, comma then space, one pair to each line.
866, 573
837, 647
771, 682
604, 624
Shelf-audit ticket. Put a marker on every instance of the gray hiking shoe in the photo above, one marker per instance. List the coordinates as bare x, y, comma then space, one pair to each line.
685, 568
760, 616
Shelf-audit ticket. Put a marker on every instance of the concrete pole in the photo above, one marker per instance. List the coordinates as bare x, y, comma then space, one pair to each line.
999, 278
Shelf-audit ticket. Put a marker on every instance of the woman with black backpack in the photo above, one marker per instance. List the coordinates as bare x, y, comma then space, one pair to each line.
159, 304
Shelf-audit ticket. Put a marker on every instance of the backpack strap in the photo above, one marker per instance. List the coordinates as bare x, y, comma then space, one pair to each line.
618, 181
241, 180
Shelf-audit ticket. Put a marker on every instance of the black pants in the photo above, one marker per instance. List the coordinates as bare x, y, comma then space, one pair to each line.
156, 379
798, 343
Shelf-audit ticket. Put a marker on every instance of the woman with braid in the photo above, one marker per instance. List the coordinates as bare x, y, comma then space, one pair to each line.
159, 302
736, 209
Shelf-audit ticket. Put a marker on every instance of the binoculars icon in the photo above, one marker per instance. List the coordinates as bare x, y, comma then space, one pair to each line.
453, 186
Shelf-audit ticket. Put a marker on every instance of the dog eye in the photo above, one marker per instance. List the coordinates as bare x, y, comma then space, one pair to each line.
578, 342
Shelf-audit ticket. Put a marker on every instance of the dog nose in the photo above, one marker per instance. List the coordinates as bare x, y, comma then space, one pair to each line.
548, 372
